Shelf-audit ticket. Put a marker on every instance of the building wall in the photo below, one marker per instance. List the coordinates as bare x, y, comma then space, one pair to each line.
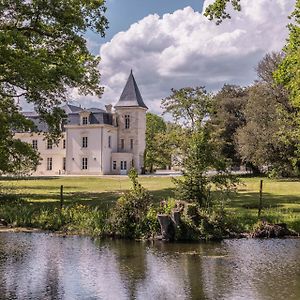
136, 132
107, 151
57, 153
97, 152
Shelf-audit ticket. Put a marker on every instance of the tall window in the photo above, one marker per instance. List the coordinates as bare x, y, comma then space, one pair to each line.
131, 143
122, 144
49, 144
127, 121
123, 165
35, 144
114, 165
49, 163
109, 141
84, 120
64, 164
64, 144
84, 165
85, 142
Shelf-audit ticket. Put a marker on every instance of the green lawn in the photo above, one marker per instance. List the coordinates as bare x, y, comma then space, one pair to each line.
281, 198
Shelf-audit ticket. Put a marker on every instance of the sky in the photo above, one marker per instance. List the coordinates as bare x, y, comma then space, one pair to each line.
170, 44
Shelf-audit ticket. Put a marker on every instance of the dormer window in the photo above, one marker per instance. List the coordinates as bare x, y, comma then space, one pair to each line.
127, 121
84, 120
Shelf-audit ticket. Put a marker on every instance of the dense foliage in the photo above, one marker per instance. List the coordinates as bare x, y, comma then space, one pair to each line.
43, 53
199, 151
157, 152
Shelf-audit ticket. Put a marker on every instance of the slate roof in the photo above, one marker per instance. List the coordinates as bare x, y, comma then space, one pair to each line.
68, 108
131, 96
97, 116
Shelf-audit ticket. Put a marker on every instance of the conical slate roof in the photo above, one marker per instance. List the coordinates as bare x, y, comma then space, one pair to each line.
131, 96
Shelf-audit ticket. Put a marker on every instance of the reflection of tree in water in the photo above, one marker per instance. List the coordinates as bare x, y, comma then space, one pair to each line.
40, 266
173, 272
131, 257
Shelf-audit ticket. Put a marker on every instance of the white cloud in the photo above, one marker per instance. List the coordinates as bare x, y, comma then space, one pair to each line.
185, 49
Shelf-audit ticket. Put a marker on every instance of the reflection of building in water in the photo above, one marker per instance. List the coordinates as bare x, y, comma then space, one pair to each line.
94, 141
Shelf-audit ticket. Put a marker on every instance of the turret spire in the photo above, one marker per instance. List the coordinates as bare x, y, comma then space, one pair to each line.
131, 96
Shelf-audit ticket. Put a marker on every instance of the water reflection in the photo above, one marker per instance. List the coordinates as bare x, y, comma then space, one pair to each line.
41, 266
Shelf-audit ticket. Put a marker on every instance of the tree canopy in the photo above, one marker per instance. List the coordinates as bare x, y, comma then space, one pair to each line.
43, 54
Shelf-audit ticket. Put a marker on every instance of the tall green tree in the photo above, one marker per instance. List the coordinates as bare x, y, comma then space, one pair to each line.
187, 105
288, 72
43, 54
157, 154
226, 117
199, 153
265, 139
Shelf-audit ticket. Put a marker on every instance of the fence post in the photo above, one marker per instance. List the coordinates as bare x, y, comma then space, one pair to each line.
260, 197
61, 196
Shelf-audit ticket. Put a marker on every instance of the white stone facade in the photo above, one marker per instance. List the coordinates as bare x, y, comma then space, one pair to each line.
95, 142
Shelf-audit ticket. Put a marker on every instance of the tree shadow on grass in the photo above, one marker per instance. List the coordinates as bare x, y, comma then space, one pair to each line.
250, 200
25, 178
103, 200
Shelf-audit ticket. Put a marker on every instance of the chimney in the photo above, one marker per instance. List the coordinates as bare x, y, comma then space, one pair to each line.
108, 108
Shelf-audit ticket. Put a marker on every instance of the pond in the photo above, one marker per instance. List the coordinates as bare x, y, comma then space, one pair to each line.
45, 266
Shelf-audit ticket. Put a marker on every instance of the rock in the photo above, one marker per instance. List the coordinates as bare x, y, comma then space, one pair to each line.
3, 223
175, 217
167, 227
267, 230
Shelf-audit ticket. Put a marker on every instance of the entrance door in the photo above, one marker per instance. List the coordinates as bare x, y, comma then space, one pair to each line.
123, 167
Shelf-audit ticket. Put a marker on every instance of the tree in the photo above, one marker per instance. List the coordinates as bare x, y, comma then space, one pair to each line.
265, 139
288, 72
201, 156
15, 156
218, 10
227, 116
43, 54
199, 152
157, 154
187, 105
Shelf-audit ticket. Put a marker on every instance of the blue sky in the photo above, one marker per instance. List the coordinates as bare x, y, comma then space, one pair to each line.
122, 13
171, 44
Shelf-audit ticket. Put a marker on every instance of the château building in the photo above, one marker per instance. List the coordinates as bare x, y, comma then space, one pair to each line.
94, 141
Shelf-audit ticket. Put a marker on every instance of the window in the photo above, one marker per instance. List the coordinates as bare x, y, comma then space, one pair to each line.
34, 144
49, 163
123, 165
84, 165
84, 120
122, 144
64, 144
114, 165
109, 142
127, 121
49, 144
64, 164
131, 143
84, 142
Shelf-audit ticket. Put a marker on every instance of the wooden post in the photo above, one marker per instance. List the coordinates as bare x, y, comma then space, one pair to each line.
260, 197
61, 196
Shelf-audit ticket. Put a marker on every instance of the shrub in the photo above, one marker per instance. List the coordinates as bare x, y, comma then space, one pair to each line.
129, 217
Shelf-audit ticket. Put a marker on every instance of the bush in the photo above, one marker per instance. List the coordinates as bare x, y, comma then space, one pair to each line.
129, 217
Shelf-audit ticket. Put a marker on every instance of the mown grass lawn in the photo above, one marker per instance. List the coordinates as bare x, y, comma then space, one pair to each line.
281, 198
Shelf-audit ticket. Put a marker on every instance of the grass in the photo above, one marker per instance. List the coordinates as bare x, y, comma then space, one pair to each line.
281, 198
